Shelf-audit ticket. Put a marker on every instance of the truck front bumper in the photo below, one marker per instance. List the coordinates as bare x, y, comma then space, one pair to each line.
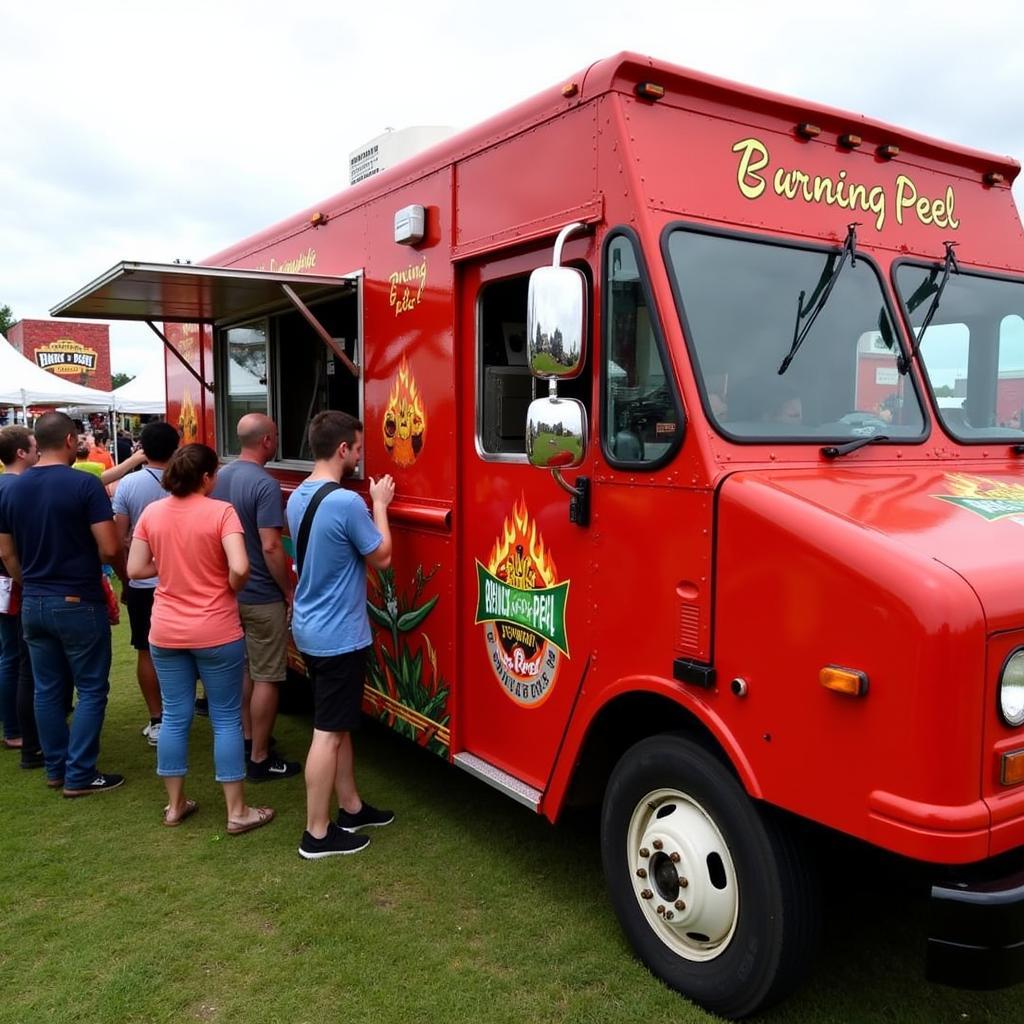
976, 933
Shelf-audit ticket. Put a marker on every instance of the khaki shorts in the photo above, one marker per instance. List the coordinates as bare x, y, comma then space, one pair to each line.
266, 640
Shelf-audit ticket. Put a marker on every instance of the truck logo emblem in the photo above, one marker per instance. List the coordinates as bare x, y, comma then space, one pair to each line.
987, 498
405, 419
521, 606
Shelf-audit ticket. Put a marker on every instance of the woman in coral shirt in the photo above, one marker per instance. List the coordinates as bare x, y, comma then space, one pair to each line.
197, 548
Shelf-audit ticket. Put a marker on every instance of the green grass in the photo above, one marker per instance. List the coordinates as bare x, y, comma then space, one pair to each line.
468, 908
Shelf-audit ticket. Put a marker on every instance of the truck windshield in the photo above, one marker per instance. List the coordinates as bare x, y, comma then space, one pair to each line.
740, 299
973, 350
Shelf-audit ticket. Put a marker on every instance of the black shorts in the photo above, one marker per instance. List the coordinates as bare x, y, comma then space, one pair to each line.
140, 610
337, 690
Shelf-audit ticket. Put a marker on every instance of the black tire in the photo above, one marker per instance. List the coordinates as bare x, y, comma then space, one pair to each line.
739, 876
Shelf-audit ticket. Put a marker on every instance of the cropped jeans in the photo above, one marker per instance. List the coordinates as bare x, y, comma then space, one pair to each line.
220, 668
68, 640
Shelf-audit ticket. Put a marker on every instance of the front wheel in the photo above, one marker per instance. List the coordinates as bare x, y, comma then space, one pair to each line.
710, 891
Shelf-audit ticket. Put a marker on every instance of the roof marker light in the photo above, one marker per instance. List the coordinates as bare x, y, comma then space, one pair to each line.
808, 130
888, 151
847, 681
850, 141
570, 89
650, 91
994, 178
318, 218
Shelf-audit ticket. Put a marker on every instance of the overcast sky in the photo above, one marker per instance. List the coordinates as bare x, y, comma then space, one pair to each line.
165, 131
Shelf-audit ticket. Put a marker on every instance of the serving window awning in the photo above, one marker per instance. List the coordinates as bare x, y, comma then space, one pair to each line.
189, 294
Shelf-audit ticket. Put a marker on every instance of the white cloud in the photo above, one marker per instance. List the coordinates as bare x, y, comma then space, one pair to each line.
154, 132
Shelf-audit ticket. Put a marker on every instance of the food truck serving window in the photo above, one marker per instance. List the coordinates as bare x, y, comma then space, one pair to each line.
972, 350
280, 366
744, 301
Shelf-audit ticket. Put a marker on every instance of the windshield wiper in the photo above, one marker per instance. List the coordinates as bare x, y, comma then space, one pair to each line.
834, 451
950, 264
824, 290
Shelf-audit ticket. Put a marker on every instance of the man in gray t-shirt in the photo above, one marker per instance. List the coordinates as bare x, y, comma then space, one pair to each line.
264, 601
133, 494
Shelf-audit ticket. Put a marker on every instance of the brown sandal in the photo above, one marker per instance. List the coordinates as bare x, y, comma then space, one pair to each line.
264, 815
190, 808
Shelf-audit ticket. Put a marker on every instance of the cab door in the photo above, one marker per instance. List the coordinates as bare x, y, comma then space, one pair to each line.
526, 630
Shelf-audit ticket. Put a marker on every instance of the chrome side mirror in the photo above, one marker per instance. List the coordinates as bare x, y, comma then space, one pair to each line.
556, 315
556, 433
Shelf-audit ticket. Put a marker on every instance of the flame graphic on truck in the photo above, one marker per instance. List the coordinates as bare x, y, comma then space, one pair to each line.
405, 419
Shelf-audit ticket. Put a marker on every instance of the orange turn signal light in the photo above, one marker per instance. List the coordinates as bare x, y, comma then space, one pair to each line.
650, 91
888, 151
847, 681
1012, 772
994, 178
808, 130
570, 89
850, 141
318, 218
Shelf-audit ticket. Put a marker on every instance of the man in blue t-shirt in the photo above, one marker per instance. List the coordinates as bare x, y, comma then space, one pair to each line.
331, 628
159, 442
56, 529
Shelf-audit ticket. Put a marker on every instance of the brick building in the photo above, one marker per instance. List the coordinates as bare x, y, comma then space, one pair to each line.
73, 351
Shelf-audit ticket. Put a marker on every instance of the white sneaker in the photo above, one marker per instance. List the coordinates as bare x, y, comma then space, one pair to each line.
152, 732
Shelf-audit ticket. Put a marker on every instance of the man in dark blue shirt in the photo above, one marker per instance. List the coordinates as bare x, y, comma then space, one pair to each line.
56, 528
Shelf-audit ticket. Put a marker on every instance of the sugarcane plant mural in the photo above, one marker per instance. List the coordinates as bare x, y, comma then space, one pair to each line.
407, 691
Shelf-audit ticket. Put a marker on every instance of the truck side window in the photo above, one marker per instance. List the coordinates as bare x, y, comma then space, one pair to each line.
245, 355
505, 386
641, 422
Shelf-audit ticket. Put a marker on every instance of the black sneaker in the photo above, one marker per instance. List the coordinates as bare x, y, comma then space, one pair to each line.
202, 707
101, 784
336, 843
271, 768
31, 759
367, 817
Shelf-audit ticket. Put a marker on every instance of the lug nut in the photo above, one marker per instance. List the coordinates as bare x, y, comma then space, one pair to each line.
674, 857
683, 882
641, 873
680, 905
646, 894
657, 844
644, 852
661, 909
669, 915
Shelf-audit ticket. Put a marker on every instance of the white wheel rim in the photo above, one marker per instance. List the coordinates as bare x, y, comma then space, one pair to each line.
682, 874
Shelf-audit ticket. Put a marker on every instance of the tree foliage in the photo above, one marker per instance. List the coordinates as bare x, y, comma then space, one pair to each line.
7, 319
118, 380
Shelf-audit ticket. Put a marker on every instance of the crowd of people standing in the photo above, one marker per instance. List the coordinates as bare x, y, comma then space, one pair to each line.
210, 592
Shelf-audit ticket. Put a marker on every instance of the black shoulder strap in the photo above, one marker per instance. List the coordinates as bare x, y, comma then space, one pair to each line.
307, 522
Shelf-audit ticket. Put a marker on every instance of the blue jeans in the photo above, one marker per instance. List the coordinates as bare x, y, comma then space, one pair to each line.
68, 640
220, 668
9, 646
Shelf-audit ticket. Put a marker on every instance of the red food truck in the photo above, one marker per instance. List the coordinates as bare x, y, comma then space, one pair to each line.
700, 403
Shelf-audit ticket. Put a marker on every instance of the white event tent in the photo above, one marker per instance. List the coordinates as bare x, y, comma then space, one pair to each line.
22, 383
145, 394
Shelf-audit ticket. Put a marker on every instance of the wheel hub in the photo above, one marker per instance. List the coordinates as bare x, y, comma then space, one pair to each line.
683, 875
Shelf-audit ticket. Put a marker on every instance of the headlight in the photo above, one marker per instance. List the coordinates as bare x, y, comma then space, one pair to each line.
1011, 690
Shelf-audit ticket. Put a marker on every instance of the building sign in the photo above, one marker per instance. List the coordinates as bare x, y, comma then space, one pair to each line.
66, 357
